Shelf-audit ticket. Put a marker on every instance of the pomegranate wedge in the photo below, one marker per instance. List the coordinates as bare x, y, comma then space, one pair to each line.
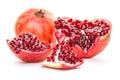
63, 57
28, 48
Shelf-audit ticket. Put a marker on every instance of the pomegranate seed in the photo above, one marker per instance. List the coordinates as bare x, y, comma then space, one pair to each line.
70, 20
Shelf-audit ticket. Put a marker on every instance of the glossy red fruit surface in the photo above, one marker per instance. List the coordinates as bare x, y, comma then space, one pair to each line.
91, 36
39, 22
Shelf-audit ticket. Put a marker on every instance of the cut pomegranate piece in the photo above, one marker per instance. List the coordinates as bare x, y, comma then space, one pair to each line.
92, 36
63, 57
28, 48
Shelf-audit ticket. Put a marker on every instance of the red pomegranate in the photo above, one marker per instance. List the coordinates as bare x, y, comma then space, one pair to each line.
28, 48
63, 57
91, 36
39, 22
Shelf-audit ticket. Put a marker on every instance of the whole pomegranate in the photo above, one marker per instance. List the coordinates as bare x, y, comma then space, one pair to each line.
91, 36
28, 48
39, 22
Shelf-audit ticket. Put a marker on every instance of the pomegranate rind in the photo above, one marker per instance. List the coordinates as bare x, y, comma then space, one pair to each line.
100, 43
99, 46
28, 56
51, 64
69, 66
79, 51
61, 65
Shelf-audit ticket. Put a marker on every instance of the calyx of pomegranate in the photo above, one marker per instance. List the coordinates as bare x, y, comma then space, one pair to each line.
28, 48
64, 57
92, 36
40, 13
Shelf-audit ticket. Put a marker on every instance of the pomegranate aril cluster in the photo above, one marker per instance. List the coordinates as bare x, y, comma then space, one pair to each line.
67, 26
82, 33
29, 42
63, 53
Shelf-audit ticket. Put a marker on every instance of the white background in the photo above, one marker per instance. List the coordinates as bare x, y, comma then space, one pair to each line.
105, 66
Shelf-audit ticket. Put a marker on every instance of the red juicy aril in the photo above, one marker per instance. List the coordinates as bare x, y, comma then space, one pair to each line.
91, 36
63, 57
28, 48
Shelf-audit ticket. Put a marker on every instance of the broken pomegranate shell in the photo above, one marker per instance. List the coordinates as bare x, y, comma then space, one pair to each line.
91, 36
63, 57
28, 48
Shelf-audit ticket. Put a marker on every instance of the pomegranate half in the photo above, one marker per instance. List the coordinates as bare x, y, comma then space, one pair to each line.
91, 36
